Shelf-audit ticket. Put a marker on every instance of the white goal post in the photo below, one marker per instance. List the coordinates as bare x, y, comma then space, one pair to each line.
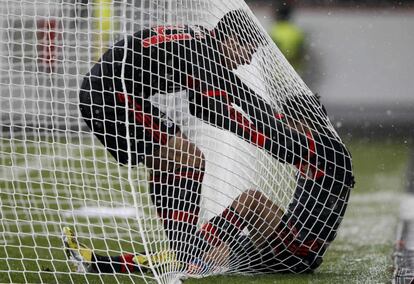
55, 172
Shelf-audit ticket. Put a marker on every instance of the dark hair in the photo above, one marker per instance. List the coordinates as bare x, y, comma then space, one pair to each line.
238, 24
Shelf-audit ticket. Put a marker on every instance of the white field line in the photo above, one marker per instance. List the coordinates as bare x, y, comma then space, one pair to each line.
39, 162
103, 212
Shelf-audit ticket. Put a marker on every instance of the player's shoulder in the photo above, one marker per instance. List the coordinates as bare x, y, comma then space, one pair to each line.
199, 31
172, 29
169, 36
176, 31
155, 35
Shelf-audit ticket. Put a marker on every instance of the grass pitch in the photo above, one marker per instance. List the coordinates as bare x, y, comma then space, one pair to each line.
37, 193
362, 251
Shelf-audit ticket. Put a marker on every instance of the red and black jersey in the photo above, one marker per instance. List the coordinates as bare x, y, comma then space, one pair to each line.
158, 60
165, 59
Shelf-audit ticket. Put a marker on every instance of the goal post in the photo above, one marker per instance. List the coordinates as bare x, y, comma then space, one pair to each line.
274, 162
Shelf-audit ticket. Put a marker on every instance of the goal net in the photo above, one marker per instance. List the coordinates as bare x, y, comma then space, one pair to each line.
172, 137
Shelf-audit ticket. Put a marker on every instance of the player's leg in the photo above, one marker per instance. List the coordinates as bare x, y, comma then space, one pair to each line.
178, 165
260, 213
267, 131
323, 188
175, 188
108, 120
276, 244
86, 260
305, 231
317, 207
251, 210
316, 210
297, 241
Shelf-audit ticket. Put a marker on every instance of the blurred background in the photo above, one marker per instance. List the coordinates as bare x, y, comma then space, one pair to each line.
357, 55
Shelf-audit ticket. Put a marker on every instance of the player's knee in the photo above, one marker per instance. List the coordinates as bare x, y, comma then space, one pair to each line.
256, 197
249, 197
176, 190
250, 201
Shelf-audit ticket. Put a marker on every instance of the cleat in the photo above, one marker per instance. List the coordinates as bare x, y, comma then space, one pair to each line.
79, 254
157, 259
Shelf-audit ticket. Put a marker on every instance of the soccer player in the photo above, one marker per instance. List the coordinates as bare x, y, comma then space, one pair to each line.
295, 240
115, 104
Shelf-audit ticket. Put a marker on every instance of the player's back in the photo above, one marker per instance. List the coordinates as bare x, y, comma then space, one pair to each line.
158, 60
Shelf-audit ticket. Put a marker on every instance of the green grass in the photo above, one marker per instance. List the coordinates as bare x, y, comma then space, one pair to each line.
362, 251
48, 181
360, 254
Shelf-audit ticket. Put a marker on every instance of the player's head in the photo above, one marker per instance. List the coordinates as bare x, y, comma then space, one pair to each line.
238, 37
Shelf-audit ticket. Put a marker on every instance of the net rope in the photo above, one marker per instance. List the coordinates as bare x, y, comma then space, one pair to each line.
173, 137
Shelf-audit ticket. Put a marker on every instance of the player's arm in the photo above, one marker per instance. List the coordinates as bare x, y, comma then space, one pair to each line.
235, 107
231, 105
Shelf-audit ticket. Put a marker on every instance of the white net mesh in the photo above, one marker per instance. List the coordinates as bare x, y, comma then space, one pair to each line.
197, 149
